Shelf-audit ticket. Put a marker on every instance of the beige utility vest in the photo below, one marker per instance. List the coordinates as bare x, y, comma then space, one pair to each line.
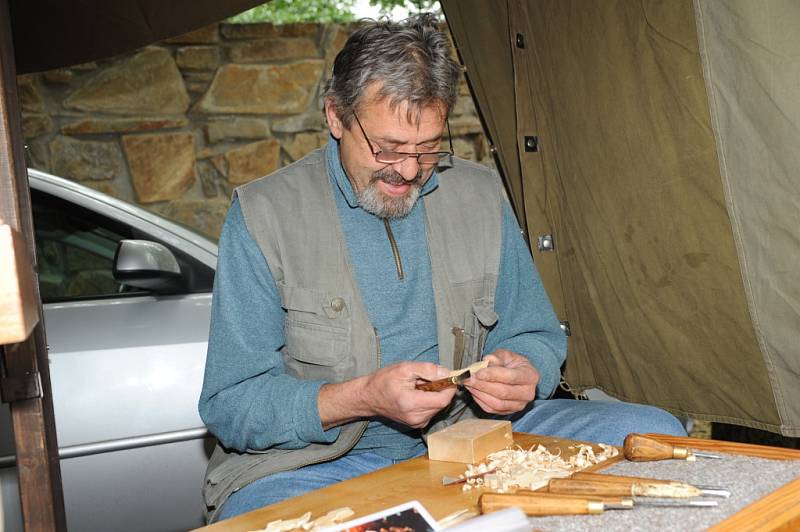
292, 216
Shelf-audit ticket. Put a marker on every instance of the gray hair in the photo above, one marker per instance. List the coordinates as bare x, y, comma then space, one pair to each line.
410, 59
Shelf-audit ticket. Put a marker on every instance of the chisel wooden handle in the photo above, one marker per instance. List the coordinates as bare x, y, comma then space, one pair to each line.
620, 479
638, 448
538, 504
588, 488
592, 488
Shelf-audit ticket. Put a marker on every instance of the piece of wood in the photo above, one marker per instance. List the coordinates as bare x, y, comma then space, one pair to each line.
41, 496
17, 297
469, 441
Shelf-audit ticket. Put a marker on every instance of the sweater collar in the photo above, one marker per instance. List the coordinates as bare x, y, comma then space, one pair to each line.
338, 175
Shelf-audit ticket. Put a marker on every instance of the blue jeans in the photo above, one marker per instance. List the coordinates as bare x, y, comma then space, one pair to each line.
595, 421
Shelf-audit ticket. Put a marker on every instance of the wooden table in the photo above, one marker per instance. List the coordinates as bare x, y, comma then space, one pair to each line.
421, 479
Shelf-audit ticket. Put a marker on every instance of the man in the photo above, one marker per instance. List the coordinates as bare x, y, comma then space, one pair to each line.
351, 275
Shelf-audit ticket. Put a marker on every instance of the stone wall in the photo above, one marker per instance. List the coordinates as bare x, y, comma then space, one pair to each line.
176, 125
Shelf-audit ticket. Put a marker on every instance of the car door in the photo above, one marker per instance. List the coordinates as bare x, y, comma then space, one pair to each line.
126, 366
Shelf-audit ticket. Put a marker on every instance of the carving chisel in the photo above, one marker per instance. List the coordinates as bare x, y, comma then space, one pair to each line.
585, 488
541, 504
639, 448
711, 491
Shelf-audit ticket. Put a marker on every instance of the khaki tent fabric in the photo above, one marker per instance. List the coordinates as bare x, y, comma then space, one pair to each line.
628, 180
751, 58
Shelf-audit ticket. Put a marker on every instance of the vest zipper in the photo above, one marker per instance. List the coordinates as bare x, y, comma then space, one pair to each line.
397, 262
377, 348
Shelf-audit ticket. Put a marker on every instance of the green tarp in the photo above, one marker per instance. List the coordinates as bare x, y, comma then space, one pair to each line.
667, 143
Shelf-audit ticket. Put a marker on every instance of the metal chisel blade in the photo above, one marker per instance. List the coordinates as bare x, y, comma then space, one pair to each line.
638, 501
714, 492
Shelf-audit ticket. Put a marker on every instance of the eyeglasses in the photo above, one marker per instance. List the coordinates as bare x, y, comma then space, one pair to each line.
429, 158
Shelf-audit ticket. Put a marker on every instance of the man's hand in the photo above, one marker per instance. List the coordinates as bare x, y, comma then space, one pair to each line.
506, 386
389, 393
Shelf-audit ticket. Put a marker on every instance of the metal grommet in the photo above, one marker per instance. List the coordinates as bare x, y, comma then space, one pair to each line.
337, 304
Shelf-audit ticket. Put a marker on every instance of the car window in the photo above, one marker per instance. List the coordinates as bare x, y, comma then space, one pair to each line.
75, 250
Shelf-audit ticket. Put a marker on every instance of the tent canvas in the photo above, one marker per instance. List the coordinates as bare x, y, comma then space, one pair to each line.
665, 142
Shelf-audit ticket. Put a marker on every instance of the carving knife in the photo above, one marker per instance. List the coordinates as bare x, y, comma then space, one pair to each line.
441, 384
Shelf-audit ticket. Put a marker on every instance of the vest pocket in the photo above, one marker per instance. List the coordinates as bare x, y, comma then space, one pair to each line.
316, 330
479, 321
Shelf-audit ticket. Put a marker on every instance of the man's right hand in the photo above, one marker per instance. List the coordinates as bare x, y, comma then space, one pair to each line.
389, 393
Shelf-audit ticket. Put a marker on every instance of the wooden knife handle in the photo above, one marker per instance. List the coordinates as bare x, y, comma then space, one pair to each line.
588, 488
638, 448
538, 504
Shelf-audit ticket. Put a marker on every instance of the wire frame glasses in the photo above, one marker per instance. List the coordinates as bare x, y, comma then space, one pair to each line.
429, 158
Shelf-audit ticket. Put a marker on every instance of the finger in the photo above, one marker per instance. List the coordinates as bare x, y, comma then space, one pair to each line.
494, 405
428, 370
524, 374
505, 392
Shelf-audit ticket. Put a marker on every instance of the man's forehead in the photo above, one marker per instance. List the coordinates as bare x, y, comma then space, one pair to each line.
395, 123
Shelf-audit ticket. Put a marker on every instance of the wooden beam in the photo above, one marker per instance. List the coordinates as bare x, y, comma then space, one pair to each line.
26, 363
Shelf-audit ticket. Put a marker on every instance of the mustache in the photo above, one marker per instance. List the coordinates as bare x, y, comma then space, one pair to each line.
391, 177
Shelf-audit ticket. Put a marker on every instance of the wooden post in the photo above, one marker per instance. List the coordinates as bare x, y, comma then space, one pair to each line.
26, 379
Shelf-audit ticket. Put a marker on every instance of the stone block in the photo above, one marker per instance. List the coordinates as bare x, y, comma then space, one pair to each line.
89, 65
91, 126
197, 87
465, 125
464, 107
198, 57
85, 160
267, 30
209, 179
277, 49
205, 35
204, 216
236, 128
303, 143
147, 83
312, 121
465, 149
198, 75
262, 89
30, 99
59, 76
161, 165
332, 42
35, 124
252, 161
39, 155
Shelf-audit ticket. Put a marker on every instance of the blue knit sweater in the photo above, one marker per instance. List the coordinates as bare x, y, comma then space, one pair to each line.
248, 401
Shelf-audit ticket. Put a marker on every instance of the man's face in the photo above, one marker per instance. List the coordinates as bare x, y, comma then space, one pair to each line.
387, 190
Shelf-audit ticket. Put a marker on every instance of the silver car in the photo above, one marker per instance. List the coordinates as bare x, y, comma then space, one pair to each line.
127, 300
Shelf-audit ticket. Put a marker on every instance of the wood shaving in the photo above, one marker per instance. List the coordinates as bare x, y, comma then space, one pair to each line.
304, 523
532, 468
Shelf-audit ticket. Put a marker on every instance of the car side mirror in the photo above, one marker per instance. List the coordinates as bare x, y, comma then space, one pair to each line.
148, 265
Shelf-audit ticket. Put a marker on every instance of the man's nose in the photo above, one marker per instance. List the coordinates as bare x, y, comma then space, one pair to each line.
408, 169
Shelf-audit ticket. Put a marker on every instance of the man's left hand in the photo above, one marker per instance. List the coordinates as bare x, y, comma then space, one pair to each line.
506, 386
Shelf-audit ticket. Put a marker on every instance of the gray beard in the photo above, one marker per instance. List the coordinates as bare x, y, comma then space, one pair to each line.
381, 205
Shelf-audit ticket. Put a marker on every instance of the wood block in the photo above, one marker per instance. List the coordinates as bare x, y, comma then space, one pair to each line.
19, 309
469, 441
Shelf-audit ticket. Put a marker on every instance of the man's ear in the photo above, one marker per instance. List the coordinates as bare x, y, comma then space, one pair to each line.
334, 123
